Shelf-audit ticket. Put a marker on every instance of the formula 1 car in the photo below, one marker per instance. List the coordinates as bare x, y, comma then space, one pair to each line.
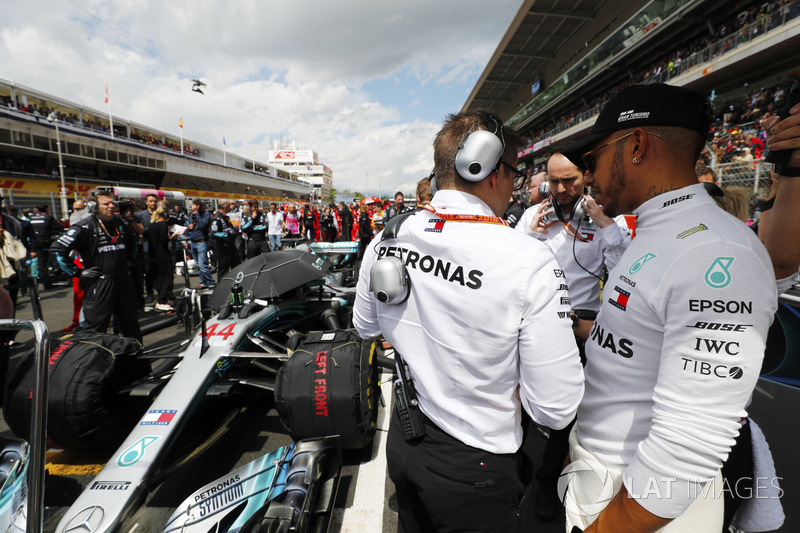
236, 349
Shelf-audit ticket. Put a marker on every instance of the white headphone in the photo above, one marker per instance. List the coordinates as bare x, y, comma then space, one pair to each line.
479, 153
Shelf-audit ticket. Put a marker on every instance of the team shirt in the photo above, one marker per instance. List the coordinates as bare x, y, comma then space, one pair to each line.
592, 247
676, 350
488, 310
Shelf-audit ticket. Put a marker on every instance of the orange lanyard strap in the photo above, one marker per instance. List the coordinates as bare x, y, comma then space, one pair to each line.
572, 232
114, 238
484, 219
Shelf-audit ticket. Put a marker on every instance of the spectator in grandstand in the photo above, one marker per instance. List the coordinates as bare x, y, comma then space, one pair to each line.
645, 163
276, 227
198, 226
255, 225
395, 208
223, 235
705, 174
47, 229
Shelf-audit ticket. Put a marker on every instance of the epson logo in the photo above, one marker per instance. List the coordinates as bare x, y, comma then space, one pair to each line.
721, 306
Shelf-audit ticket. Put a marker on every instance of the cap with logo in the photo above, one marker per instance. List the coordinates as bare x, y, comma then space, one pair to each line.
637, 106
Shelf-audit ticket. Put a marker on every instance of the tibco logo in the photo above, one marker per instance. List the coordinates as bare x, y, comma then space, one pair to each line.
585, 487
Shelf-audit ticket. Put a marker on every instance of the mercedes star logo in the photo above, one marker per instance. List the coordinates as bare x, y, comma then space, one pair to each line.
88, 520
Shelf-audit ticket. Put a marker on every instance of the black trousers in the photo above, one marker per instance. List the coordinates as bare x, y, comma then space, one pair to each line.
257, 247
111, 296
164, 272
443, 485
227, 258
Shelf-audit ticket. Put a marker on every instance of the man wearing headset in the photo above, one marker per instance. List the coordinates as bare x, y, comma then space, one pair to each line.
579, 233
583, 239
483, 330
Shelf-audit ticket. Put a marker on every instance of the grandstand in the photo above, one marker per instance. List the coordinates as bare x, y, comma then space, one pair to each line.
558, 63
134, 156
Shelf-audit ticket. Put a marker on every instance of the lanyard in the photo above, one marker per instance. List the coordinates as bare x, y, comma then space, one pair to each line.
484, 219
572, 232
113, 239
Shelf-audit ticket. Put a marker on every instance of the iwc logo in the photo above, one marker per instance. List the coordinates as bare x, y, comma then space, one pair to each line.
87, 520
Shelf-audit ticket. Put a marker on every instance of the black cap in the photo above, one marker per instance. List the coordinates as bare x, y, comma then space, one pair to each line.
637, 106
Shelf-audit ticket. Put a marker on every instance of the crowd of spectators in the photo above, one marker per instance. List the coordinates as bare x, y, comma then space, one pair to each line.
750, 22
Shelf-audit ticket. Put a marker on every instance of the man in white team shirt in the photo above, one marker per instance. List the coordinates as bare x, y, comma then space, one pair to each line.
485, 332
676, 349
583, 239
582, 245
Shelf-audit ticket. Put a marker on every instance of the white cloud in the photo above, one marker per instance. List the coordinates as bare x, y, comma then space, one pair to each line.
291, 70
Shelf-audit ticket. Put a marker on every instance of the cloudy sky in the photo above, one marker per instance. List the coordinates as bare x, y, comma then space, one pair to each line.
366, 84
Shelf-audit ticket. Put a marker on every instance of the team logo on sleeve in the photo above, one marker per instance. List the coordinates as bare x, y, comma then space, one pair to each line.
620, 298
438, 225
691, 231
718, 275
639, 263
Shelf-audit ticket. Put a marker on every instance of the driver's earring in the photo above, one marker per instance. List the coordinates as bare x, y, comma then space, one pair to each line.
636, 160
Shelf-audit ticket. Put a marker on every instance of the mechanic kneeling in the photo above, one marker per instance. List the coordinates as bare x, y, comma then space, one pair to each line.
106, 244
483, 331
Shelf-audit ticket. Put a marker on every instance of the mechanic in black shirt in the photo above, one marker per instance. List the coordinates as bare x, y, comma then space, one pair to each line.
396, 208
255, 225
46, 228
223, 235
106, 244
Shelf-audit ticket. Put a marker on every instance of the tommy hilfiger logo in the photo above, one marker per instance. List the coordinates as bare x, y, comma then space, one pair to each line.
631, 115
438, 224
620, 298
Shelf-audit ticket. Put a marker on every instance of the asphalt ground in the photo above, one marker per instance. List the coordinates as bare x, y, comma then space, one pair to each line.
365, 500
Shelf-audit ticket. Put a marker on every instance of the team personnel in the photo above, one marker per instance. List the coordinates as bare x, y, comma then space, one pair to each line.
47, 229
399, 206
106, 245
200, 221
676, 349
223, 235
485, 332
582, 245
276, 227
254, 225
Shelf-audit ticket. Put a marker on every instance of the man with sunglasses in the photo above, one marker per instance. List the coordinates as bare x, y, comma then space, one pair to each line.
484, 331
675, 352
